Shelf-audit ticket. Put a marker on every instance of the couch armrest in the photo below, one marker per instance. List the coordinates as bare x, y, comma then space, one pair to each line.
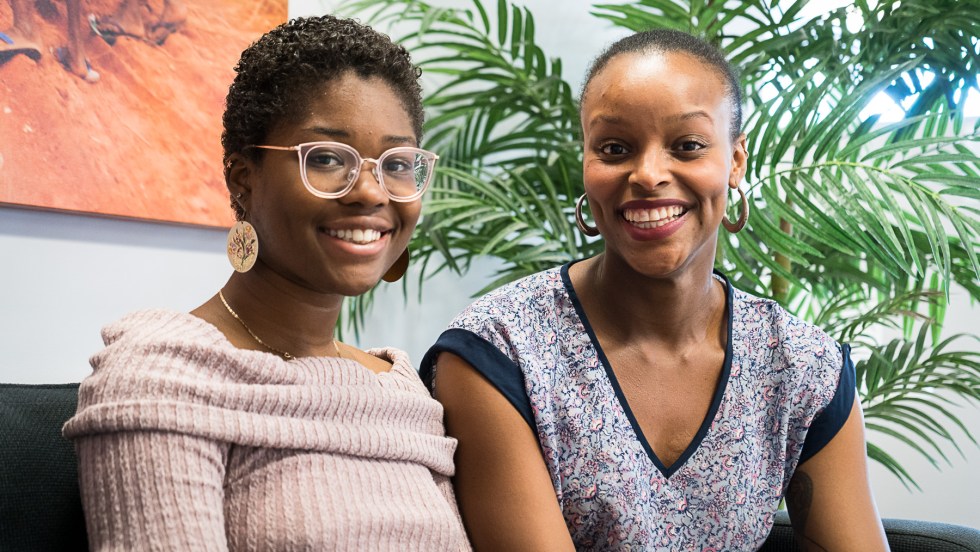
904, 535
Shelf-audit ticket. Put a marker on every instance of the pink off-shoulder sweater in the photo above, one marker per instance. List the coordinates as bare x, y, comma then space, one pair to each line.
188, 443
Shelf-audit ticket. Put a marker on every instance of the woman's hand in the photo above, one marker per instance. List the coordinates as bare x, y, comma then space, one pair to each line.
829, 498
505, 493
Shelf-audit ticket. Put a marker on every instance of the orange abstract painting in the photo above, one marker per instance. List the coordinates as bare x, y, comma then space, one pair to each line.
113, 107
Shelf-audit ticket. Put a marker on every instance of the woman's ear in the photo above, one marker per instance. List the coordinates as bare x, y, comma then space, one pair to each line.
237, 171
740, 160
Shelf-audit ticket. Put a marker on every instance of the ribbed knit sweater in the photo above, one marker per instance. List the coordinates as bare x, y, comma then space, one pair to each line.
186, 442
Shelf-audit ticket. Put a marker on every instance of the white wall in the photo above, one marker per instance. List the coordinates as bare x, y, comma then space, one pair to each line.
63, 276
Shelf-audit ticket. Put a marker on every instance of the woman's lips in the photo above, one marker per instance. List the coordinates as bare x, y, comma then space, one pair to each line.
356, 235
654, 223
357, 241
653, 217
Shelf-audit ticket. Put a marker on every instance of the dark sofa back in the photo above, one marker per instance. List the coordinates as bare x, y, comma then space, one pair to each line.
40, 506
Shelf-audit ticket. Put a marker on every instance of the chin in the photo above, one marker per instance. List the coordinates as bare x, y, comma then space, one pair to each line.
657, 272
661, 266
355, 287
347, 281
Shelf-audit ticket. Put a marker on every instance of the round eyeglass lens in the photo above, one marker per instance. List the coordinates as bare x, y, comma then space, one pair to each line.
329, 168
405, 172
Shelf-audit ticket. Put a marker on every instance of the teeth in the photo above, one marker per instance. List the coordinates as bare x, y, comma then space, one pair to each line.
357, 235
652, 218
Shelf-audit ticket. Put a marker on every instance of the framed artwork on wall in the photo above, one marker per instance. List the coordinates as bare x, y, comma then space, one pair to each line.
113, 107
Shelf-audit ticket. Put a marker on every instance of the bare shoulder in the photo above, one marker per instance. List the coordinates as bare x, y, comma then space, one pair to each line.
375, 364
213, 312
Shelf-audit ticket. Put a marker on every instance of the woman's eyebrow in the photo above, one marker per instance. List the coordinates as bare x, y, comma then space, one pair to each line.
606, 119
399, 139
328, 132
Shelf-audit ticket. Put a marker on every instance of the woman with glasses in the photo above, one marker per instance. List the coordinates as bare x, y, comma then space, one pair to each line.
244, 424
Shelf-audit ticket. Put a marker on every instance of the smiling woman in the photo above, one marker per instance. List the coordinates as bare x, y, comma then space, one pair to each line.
332, 227
684, 136
244, 424
636, 399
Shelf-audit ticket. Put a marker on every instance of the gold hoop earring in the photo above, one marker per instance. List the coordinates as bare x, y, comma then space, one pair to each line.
398, 269
590, 231
243, 246
743, 215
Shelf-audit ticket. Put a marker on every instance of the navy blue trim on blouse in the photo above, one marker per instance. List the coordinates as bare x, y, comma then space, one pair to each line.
486, 359
829, 422
726, 370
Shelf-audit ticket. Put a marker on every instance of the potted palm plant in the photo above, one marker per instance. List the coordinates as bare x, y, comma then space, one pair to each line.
860, 226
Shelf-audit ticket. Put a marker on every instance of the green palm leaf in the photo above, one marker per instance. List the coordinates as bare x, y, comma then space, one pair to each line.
898, 384
857, 225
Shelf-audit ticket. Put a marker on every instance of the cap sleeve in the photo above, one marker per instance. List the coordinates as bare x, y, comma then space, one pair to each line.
502, 372
829, 421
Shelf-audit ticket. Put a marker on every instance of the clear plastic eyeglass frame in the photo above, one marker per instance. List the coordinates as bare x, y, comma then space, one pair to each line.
303, 150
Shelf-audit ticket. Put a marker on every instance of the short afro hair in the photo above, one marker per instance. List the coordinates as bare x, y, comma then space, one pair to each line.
670, 40
280, 72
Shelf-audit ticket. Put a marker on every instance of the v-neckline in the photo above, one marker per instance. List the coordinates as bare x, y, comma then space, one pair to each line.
719, 394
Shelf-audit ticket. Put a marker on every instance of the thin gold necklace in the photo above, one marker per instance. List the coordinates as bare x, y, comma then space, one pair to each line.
280, 352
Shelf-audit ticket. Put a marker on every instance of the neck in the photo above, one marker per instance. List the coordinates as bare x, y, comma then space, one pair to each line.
679, 309
284, 315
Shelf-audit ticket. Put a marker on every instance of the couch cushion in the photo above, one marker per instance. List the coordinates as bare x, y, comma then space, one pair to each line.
40, 507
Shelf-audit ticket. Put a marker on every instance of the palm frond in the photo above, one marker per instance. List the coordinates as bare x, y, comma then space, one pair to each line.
907, 389
857, 225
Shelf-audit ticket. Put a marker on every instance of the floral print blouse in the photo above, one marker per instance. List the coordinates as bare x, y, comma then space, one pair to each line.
785, 390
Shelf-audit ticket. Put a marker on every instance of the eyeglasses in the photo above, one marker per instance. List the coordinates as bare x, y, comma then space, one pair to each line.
330, 169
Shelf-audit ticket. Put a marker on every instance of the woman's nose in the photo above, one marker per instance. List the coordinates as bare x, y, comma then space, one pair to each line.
367, 189
652, 169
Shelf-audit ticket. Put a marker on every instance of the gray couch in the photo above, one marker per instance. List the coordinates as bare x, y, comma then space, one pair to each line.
40, 508
904, 535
